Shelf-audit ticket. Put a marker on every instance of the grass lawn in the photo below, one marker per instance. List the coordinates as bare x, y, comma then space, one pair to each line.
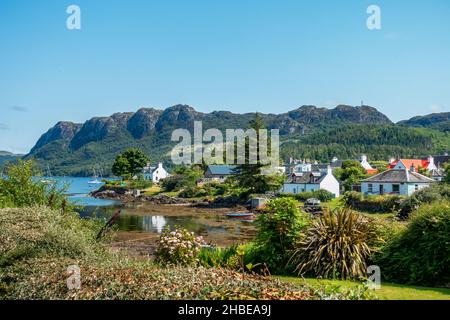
388, 291
153, 190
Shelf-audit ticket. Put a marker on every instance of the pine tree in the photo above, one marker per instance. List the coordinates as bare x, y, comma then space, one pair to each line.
249, 175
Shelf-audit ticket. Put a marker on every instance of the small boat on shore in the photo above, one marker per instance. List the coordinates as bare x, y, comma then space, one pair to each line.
245, 215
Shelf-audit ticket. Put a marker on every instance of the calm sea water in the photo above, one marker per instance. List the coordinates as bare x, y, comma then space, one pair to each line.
78, 190
152, 219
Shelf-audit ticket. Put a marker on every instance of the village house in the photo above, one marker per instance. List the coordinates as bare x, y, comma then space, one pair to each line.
219, 172
154, 173
427, 164
434, 165
312, 181
395, 181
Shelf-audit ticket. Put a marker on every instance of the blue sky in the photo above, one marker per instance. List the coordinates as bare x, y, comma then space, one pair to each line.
242, 56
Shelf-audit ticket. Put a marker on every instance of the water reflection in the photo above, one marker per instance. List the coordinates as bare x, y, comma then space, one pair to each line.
212, 224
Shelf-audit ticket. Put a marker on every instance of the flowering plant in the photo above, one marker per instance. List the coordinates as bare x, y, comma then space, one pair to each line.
178, 247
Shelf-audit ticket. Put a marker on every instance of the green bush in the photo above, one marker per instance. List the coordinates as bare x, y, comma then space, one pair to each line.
21, 188
41, 231
322, 195
183, 177
335, 246
219, 257
278, 230
434, 193
421, 253
139, 183
372, 203
178, 247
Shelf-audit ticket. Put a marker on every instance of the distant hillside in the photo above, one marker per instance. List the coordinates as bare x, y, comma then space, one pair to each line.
74, 149
378, 142
438, 121
6, 156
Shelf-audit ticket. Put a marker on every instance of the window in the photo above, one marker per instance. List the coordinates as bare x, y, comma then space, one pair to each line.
416, 187
396, 188
370, 188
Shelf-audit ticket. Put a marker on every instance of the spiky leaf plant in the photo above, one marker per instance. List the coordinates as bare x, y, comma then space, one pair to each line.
334, 246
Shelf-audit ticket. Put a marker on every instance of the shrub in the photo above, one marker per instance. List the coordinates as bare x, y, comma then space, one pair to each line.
139, 183
41, 231
421, 253
192, 192
382, 232
374, 204
335, 246
322, 195
183, 177
430, 194
178, 247
219, 257
278, 230
21, 188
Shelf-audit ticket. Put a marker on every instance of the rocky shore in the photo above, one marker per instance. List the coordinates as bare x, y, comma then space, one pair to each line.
128, 196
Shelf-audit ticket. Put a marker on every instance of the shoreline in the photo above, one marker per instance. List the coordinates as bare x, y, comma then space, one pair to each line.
127, 196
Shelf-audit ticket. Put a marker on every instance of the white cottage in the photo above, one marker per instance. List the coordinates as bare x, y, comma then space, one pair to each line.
156, 174
312, 181
395, 181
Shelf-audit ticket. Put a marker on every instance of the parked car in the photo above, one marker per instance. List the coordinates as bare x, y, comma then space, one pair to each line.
312, 205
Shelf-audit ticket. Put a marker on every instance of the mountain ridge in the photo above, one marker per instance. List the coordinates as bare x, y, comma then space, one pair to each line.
75, 148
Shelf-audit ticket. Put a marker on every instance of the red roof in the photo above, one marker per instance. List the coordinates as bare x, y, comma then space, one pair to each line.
409, 162
371, 171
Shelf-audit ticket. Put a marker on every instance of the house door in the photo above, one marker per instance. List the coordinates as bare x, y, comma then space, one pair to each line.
381, 189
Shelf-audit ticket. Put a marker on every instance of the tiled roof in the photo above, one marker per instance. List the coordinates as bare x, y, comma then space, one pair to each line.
399, 175
409, 162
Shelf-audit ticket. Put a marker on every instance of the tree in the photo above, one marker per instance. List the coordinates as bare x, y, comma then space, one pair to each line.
249, 176
447, 172
380, 165
350, 174
129, 163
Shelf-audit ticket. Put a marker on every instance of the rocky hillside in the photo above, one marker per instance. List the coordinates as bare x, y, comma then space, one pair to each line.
72, 148
438, 121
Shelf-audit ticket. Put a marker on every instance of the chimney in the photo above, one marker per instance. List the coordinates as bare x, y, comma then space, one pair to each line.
160, 165
363, 158
413, 168
391, 160
329, 170
431, 165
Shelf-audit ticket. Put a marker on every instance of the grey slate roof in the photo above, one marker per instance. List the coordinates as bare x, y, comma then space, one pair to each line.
221, 169
307, 177
400, 176
439, 161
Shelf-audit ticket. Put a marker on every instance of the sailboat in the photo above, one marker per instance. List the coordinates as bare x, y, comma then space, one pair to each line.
95, 179
48, 179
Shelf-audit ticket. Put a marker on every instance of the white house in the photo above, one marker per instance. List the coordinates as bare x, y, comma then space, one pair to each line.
312, 181
427, 163
156, 174
395, 181
364, 163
